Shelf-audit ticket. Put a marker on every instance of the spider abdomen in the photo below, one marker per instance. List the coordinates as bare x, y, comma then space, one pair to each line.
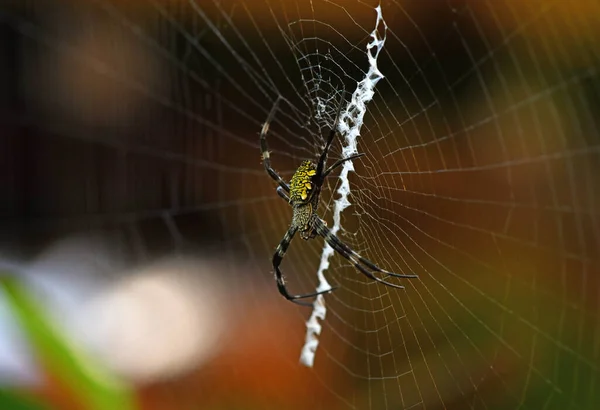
301, 183
304, 197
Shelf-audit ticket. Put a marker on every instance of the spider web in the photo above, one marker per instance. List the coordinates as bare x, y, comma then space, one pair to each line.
482, 148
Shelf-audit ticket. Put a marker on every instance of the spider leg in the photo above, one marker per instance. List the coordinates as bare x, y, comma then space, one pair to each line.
264, 148
282, 193
340, 162
277, 258
324, 231
354, 257
332, 133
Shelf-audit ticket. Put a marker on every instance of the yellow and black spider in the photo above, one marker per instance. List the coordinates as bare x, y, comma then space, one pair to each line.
303, 195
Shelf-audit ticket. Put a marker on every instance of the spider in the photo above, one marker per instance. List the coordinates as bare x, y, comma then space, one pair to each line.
302, 194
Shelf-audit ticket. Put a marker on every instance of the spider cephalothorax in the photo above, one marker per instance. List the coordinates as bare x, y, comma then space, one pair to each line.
303, 194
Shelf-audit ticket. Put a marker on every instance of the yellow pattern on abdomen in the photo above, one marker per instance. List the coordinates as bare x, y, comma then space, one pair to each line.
301, 183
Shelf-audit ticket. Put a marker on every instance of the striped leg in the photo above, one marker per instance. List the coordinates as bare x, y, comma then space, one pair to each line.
340, 162
332, 134
347, 252
277, 258
264, 148
282, 193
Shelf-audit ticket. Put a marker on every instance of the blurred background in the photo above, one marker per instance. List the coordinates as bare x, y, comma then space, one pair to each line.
137, 224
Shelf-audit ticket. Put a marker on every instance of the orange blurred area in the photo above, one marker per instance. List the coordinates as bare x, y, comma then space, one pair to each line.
255, 367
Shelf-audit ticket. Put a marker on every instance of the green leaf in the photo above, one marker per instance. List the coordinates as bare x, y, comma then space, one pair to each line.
19, 401
92, 384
